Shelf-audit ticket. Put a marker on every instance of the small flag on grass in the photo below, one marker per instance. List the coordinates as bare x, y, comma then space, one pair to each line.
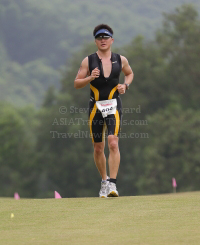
16, 196
57, 195
174, 185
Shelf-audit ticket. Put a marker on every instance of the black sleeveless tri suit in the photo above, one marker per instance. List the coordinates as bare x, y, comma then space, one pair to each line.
103, 88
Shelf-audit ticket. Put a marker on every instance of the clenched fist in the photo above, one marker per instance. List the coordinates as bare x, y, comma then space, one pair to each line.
121, 88
95, 73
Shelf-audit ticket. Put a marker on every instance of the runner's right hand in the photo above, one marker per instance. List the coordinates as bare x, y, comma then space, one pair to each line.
95, 73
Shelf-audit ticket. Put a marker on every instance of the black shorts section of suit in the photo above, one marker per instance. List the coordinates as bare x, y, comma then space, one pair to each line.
110, 125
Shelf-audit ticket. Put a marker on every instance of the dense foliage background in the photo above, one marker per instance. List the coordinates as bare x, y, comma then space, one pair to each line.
44, 136
38, 38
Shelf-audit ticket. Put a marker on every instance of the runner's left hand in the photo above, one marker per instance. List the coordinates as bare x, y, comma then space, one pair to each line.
121, 88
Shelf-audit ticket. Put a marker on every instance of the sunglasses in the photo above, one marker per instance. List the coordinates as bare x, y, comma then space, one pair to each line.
102, 37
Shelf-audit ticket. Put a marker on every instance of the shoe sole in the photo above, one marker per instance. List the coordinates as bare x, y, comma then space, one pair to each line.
113, 194
103, 196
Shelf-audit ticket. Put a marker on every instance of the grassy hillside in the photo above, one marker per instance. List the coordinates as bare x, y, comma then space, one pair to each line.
55, 29
40, 36
160, 219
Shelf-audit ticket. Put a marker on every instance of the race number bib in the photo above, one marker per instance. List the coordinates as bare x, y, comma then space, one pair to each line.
107, 107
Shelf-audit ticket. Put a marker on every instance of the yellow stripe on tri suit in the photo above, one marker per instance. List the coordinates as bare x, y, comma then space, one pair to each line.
112, 92
91, 119
104, 131
95, 91
117, 119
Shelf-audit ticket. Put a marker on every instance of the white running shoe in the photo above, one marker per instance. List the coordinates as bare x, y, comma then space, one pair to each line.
112, 190
103, 190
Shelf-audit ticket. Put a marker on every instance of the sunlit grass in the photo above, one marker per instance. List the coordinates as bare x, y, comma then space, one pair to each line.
160, 219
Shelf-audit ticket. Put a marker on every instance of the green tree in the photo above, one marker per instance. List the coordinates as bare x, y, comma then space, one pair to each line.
16, 152
179, 42
173, 151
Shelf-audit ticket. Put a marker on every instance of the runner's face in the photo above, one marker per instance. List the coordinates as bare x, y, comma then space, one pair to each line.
104, 43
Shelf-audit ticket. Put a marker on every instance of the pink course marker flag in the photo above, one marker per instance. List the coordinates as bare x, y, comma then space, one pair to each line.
16, 196
57, 195
174, 183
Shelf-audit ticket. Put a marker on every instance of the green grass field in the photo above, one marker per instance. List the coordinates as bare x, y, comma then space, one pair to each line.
158, 219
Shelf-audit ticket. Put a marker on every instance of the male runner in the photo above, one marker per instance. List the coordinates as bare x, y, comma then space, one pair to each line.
102, 70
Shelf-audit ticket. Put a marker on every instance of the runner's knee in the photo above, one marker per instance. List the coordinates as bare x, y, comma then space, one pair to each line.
98, 148
113, 143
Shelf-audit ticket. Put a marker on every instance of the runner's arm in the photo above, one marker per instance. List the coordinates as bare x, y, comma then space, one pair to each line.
126, 69
81, 79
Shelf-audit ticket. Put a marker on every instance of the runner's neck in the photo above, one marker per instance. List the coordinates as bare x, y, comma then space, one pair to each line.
106, 54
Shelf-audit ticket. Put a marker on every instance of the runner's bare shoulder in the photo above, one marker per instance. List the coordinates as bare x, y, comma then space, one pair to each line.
83, 70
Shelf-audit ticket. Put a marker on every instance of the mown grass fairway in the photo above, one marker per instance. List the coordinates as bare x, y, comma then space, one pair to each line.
160, 219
